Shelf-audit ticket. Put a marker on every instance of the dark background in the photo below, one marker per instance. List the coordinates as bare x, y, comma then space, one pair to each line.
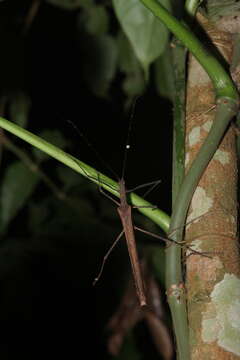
48, 307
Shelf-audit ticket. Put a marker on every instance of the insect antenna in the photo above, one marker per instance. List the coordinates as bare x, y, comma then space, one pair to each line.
127, 143
96, 153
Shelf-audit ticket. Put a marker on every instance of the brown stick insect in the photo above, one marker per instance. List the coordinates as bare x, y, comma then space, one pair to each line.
125, 213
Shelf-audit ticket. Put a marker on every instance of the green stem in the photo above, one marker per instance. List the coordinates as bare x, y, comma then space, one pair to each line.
158, 216
191, 6
179, 64
179, 56
221, 80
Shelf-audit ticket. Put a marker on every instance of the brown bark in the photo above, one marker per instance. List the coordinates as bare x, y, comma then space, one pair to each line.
213, 284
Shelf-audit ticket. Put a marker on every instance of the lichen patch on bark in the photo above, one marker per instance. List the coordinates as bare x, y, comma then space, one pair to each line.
201, 204
194, 136
224, 326
222, 156
187, 158
207, 125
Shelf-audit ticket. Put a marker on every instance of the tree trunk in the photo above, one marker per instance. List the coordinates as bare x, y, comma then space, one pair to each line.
213, 281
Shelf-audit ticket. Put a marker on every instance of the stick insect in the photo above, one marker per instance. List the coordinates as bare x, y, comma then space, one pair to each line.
125, 213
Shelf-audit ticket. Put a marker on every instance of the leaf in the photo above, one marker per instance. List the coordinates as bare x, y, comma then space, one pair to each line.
19, 108
53, 217
68, 177
133, 83
18, 184
164, 76
146, 33
69, 4
127, 59
100, 63
71, 180
94, 19
55, 137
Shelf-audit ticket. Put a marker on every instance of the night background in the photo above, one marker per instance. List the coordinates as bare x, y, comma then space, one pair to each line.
53, 238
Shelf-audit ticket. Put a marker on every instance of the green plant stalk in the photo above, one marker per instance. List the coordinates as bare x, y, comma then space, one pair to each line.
158, 216
221, 80
179, 60
191, 6
227, 105
179, 64
179, 55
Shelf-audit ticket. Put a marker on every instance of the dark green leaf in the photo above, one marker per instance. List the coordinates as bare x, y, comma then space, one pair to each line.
133, 83
164, 75
51, 216
18, 184
100, 63
19, 108
146, 33
127, 59
94, 19
69, 4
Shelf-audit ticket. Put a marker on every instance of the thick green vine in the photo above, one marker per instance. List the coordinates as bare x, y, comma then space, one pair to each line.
157, 216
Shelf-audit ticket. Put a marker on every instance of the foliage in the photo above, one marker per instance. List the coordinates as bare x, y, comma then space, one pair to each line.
139, 25
20, 104
15, 194
69, 4
47, 208
111, 49
108, 52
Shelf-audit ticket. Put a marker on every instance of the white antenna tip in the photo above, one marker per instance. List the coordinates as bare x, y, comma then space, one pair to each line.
127, 146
